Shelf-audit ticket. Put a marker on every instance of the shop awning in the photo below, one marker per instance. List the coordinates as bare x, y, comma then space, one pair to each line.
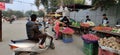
78, 6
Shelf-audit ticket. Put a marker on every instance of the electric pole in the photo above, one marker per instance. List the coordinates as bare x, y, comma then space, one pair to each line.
0, 25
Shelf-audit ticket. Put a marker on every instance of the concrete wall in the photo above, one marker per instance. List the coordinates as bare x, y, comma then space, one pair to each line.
113, 15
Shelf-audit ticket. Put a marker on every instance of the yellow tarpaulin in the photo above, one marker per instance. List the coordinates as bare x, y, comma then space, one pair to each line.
56, 15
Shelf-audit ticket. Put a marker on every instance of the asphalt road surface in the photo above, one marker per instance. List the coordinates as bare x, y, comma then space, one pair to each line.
17, 30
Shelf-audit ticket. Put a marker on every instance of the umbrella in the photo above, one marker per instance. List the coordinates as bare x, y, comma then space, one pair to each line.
79, 6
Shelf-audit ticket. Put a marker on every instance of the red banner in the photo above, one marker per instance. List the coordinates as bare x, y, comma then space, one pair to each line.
2, 6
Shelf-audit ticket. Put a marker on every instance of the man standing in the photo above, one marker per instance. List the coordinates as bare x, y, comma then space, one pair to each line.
66, 21
105, 20
87, 19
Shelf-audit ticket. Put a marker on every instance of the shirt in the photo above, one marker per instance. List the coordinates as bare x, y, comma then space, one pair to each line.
87, 20
66, 21
32, 30
105, 21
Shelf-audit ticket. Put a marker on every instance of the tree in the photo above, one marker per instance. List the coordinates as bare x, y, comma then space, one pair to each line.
37, 3
10, 12
105, 4
19, 14
40, 13
68, 2
55, 3
45, 2
30, 12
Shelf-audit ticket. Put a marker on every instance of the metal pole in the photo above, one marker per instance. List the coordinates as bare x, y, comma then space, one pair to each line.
0, 26
117, 10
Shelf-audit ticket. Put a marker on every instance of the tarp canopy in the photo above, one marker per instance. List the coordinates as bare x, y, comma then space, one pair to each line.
78, 6
56, 15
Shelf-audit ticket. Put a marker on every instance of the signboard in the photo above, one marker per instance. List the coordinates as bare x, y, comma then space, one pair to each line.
2, 6
7, 1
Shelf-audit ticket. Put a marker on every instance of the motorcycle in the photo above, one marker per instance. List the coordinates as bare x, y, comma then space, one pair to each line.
30, 47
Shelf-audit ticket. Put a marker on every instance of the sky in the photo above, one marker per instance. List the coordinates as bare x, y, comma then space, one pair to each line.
22, 5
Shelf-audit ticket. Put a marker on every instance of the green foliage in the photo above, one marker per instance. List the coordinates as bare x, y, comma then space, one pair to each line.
38, 13
79, 1
37, 3
55, 3
53, 9
5, 13
44, 2
19, 14
10, 12
28, 13
104, 4
68, 2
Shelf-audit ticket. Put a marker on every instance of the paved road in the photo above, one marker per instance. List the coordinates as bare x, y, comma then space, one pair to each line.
17, 31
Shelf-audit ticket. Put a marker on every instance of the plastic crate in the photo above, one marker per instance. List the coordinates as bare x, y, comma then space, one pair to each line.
105, 52
89, 41
90, 48
67, 39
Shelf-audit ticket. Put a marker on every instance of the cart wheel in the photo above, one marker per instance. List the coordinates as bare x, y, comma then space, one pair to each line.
52, 46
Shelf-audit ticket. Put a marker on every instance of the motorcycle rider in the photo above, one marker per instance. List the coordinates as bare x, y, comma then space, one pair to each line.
34, 34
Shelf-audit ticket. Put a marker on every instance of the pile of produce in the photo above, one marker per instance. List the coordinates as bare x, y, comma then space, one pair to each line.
76, 24
115, 30
102, 28
97, 28
68, 31
72, 20
85, 24
107, 28
91, 23
90, 37
111, 42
